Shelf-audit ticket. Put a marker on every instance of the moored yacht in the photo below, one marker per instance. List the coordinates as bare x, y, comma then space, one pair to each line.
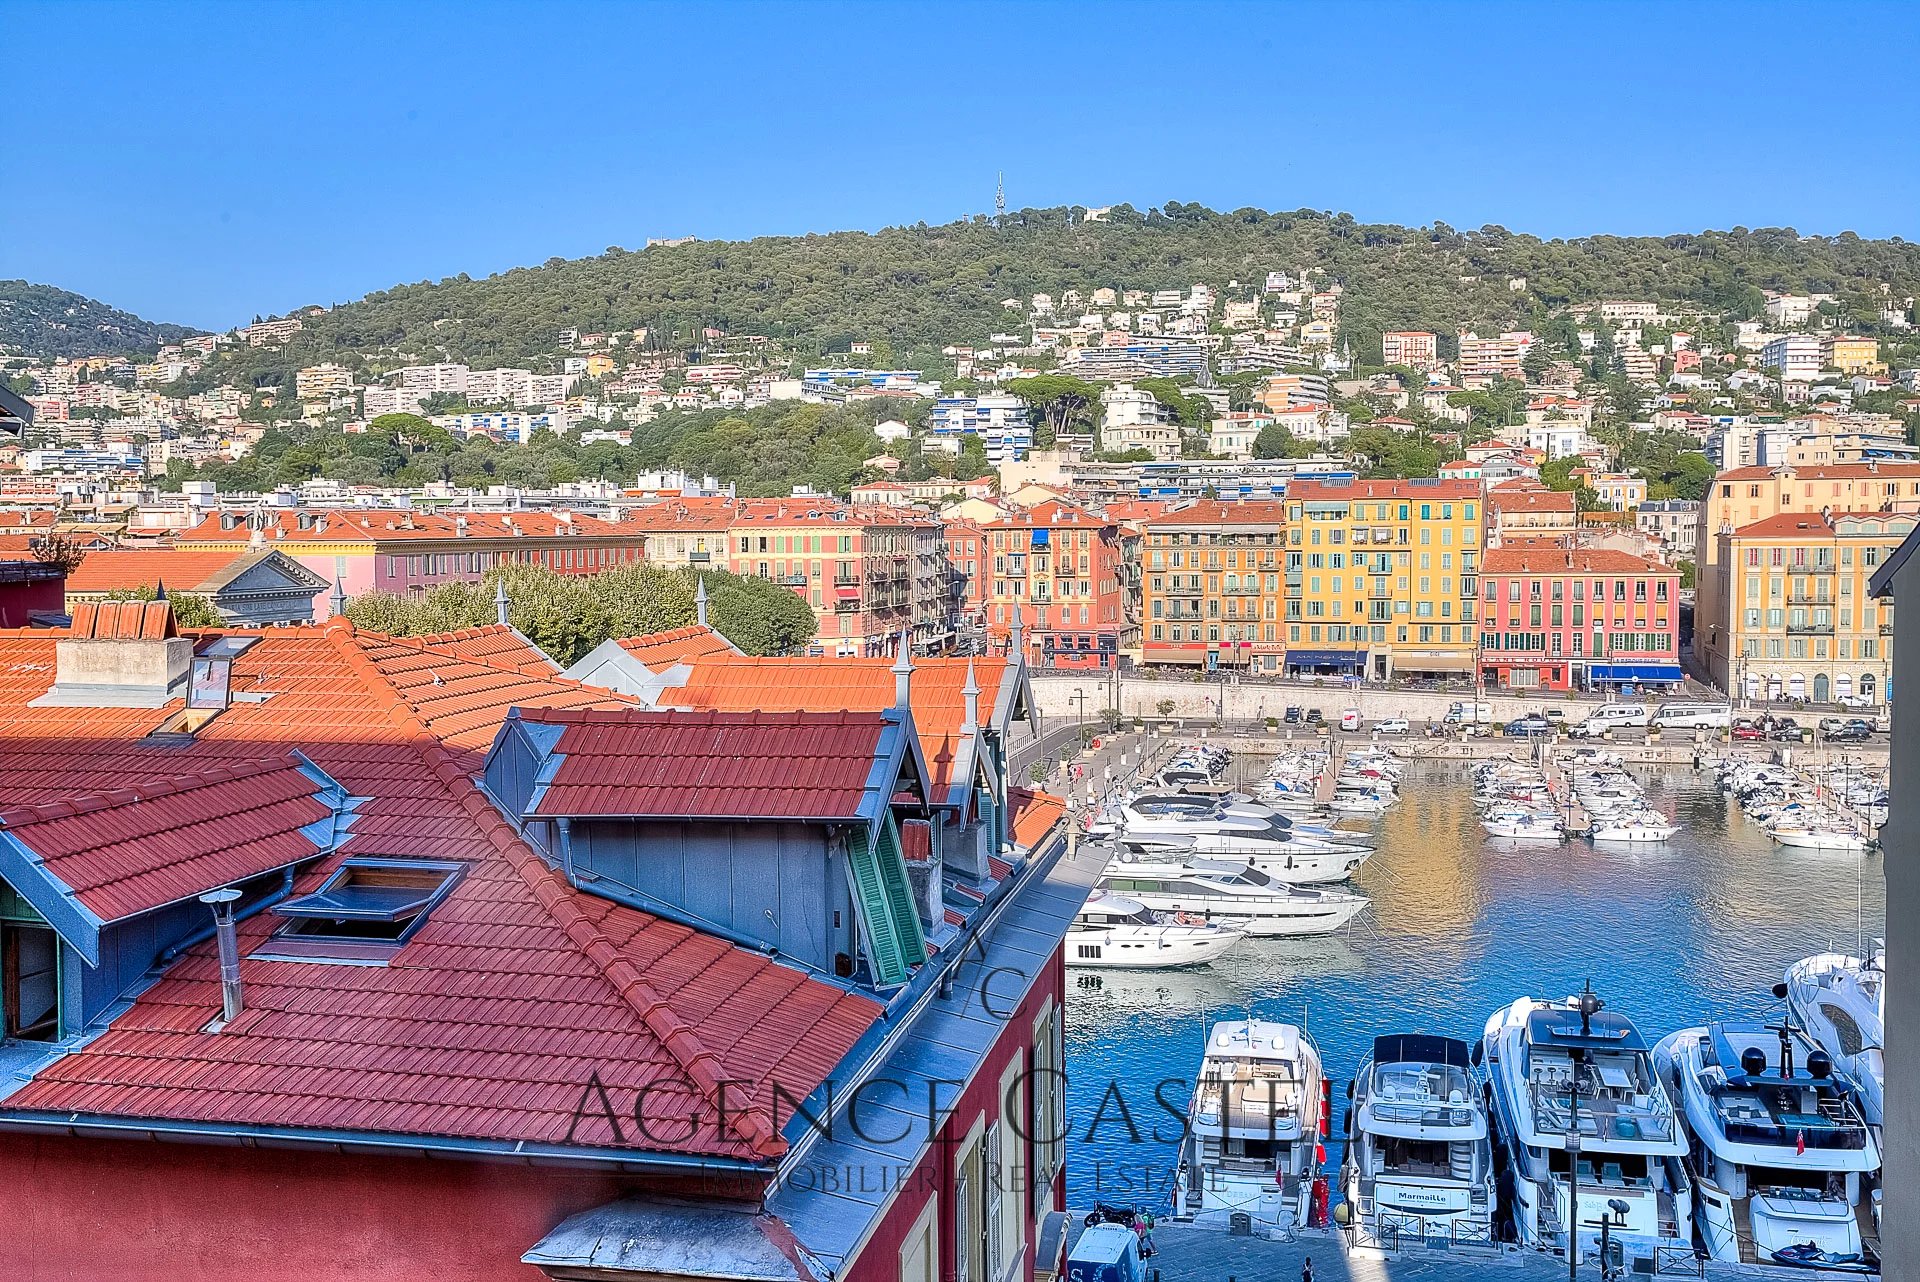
1255, 1128
1114, 931
1233, 894
1841, 1002
1283, 863
1566, 1076
1781, 1153
1418, 1163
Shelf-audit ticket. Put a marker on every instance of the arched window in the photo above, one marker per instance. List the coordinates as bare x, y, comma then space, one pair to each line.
1820, 687
1867, 684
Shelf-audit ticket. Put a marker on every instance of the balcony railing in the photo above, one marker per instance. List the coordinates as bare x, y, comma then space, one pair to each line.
1809, 629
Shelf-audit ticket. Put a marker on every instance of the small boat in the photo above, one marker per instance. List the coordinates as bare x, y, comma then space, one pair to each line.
1647, 825
1524, 825
1818, 835
1418, 1162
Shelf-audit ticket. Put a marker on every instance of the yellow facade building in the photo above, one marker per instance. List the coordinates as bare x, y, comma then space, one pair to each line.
1802, 623
1382, 578
1211, 591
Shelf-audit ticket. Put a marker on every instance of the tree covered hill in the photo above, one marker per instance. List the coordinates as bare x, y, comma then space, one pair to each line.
921, 286
41, 321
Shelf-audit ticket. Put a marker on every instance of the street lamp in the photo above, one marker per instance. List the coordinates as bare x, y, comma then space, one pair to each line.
1079, 698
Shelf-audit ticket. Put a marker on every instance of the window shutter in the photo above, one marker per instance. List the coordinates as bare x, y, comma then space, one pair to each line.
963, 1224
995, 1237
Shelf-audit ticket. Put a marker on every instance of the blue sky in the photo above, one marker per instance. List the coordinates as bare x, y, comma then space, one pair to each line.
205, 163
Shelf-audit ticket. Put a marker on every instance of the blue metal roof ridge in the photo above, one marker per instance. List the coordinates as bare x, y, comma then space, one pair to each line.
93, 1125
22, 868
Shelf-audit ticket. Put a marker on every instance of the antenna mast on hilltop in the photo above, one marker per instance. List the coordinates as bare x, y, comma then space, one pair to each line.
1000, 199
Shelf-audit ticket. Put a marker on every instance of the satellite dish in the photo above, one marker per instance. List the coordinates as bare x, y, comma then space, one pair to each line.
1819, 1064
1779, 990
1753, 1061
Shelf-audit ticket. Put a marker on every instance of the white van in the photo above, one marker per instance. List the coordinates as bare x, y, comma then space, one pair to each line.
1350, 719
1468, 714
1612, 716
1689, 716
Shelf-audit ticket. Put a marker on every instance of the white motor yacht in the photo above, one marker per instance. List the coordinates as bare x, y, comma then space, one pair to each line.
1233, 894
1781, 1153
1114, 931
1571, 1075
1419, 1165
1841, 1002
1255, 1128
1524, 825
1285, 863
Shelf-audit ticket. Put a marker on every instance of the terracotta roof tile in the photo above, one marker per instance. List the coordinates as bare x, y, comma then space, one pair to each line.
789, 765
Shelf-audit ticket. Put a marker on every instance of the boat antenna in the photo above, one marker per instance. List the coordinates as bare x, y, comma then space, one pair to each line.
1588, 1003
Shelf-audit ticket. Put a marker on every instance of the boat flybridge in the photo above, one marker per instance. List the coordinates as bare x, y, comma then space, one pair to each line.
1781, 1151
1419, 1165
1585, 1127
1841, 1003
1255, 1128
1117, 932
1231, 893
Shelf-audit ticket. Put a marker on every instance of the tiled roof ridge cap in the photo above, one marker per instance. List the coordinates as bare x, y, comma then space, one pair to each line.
80, 803
700, 1064
431, 643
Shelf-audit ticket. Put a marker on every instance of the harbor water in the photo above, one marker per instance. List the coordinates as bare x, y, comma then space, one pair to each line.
1695, 928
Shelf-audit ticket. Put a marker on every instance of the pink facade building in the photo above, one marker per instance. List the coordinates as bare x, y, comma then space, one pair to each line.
1565, 618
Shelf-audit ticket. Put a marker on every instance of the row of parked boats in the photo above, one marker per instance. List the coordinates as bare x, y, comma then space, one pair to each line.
1741, 1140
1196, 867
1804, 810
1519, 802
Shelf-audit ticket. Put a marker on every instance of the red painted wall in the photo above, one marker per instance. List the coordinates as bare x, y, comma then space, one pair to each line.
80, 1210
879, 1259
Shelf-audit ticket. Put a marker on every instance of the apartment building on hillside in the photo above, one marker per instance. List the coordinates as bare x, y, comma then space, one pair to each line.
1211, 591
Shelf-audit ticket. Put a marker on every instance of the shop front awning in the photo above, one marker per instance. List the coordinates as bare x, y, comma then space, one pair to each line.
1343, 659
1634, 672
1433, 662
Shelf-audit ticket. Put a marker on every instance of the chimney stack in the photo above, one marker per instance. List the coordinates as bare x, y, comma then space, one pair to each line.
221, 901
903, 673
700, 601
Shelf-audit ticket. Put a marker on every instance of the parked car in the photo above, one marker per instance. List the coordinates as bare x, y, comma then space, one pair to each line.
1532, 725
1313, 717
1293, 715
1392, 725
1748, 730
1784, 730
1850, 732
1854, 701
1556, 715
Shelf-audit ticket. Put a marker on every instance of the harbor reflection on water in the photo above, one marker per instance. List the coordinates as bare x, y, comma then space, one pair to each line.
1695, 928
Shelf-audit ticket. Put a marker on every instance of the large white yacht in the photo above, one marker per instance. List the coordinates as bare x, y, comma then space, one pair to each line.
1841, 1002
1283, 863
1255, 1128
1236, 824
1559, 1070
1233, 894
1419, 1165
1781, 1152
1115, 931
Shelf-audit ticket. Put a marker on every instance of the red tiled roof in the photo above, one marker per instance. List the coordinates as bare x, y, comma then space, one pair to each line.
747, 765
1214, 512
384, 525
679, 645
1782, 524
123, 620
1439, 488
120, 569
740, 683
1502, 499
1533, 557
1826, 472
138, 848
1034, 816
491, 1019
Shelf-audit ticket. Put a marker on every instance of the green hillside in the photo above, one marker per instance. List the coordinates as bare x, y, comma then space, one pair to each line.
41, 321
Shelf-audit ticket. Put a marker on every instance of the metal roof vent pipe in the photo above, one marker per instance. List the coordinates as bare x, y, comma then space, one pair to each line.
221, 901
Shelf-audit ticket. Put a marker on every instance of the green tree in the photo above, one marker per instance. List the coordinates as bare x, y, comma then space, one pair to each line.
1058, 401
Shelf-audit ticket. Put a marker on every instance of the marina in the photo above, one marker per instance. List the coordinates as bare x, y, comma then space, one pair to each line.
1649, 899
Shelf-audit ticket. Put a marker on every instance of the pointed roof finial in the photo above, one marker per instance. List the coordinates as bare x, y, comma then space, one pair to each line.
903, 673
971, 693
337, 600
700, 601
159, 589
1016, 639
500, 602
